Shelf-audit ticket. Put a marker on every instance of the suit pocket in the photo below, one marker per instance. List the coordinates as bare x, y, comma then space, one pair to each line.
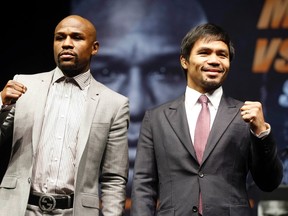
9, 182
90, 201
99, 132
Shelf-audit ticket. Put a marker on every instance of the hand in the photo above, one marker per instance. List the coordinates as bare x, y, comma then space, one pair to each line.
252, 113
12, 91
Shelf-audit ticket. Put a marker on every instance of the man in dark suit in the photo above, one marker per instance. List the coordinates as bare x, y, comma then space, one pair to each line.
171, 176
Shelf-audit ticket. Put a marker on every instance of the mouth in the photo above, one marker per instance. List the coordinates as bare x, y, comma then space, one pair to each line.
212, 71
66, 55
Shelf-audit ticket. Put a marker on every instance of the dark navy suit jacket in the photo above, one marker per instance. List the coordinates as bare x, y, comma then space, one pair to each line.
168, 178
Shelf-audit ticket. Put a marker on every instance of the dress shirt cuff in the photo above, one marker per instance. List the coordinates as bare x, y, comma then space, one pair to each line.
263, 134
1, 103
2, 106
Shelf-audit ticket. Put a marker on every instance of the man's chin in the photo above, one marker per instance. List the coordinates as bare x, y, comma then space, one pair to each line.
67, 66
211, 85
69, 70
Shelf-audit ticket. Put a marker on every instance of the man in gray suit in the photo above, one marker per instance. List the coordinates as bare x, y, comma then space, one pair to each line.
169, 177
70, 151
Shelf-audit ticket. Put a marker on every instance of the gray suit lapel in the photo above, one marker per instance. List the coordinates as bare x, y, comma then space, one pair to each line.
41, 92
227, 111
176, 116
90, 109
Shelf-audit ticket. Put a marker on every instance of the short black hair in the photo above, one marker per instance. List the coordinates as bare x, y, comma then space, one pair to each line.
207, 30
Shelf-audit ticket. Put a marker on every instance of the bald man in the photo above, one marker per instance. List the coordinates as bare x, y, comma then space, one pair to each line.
69, 137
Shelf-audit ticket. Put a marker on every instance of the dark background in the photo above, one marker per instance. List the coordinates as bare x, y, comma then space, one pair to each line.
27, 47
27, 29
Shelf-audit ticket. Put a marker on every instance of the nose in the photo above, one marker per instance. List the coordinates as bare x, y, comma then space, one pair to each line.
67, 42
213, 59
136, 90
137, 93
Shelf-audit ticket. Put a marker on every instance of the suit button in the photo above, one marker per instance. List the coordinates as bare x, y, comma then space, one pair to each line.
201, 175
29, 180
194, 209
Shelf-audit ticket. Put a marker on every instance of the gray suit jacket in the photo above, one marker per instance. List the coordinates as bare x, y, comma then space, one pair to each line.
166, 168
102, 153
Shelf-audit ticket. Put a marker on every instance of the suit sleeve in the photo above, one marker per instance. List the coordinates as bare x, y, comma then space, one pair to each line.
6, 122
145, 180
266, 166
115, 164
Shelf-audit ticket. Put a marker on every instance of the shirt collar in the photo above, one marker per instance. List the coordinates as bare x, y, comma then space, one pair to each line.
82, 80
191, 97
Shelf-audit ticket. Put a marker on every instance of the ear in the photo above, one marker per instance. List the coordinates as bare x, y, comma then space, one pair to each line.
183, 62
95, 47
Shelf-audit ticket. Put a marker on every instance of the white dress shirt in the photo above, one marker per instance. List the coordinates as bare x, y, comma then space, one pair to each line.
54, 162
193, 107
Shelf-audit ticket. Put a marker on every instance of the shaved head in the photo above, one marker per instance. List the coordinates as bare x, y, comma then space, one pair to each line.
79, 22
